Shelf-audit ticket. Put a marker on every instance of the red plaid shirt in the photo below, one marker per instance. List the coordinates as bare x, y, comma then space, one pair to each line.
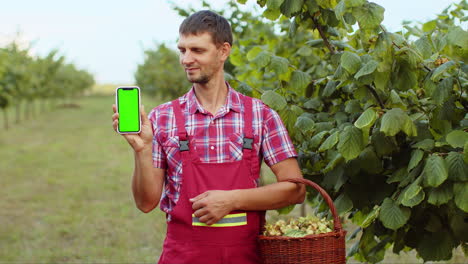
216, 138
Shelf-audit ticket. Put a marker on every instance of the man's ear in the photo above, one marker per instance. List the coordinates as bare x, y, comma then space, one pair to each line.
225, 50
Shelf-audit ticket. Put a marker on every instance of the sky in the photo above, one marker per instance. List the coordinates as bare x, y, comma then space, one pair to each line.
108, 38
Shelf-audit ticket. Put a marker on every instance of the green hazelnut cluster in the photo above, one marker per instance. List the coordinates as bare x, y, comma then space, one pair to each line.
300, 227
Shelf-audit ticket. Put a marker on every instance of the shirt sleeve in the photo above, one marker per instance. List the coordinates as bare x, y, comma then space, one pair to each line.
276, 144
159, 156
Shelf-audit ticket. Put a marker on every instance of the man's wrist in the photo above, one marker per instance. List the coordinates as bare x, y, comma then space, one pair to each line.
144, 152
235, 199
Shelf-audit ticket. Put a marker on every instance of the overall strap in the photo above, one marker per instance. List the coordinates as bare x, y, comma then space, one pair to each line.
180, 122
247, 148
248, 116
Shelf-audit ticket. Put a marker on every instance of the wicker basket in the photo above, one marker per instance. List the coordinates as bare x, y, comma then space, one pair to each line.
326, 248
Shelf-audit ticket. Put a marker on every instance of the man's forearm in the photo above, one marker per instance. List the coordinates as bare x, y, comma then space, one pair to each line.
146, 186
273, 196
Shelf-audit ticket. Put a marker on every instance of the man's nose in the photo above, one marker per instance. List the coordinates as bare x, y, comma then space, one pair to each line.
187, 58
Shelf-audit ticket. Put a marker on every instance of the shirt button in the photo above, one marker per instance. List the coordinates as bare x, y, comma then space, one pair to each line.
212, 147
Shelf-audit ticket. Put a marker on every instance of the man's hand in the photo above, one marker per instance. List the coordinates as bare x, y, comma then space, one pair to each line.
211, 206
141, 141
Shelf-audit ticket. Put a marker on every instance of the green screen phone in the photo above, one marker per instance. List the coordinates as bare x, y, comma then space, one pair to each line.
128, 106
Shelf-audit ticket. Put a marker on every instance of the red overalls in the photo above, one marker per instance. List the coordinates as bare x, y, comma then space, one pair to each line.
233, 238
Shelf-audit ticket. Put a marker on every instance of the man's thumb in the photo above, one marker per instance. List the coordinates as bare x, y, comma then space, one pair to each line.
144, 116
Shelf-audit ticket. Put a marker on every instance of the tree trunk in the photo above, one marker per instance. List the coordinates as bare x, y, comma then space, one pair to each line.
18, 111
5, 118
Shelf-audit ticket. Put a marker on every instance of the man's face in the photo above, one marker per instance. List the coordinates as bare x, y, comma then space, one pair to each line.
200, 57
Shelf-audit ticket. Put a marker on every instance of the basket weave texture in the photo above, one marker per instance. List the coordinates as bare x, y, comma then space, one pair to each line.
326, 248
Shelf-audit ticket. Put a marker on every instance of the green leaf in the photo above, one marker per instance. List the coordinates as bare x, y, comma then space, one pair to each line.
299, 80
286, 210
350, 61
457, 138
368, 68
369, 16
457, 167
369, 162
398, 175
313, 103
330, 142
383, 145
290, 8
366, 119
354, 3
340, 10
343, 204
426, 144
271, 14
252, 54
429, 26
262, 59
241, 1
295, 233
424, 47
393, 216
351, 142
317, 139
331, 165
304, 124
413, 195
274, 100
329, 88
458, 36
460, 190
396, 100
440, 195
274, 4
315, 43
393, 121
279, 64
305, 51
465, 151
416, 157
435, 171
327, 3
436, 246
370, 217
441, 69
408, 127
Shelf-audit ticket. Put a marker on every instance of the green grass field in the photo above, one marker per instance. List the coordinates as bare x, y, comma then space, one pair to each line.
65, 186
66, 194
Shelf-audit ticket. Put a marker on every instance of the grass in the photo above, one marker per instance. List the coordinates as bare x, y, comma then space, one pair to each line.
66, 194
66, 197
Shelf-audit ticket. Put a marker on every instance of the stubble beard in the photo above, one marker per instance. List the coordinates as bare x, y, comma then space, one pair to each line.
202, 79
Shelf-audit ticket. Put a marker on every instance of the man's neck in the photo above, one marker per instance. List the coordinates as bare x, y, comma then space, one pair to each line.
212, 95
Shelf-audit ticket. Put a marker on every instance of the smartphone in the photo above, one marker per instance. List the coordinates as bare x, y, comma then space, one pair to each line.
127, 100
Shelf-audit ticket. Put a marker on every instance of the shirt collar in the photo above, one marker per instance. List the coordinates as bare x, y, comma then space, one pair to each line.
232, 101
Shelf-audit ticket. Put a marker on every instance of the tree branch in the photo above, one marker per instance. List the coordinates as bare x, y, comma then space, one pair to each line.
374, 93
324, 37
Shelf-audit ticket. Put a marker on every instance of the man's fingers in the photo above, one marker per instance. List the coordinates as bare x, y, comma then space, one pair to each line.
144, 116
198, 197
115, 124
114, 108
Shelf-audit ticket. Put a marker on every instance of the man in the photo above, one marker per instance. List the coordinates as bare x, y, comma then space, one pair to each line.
204, 149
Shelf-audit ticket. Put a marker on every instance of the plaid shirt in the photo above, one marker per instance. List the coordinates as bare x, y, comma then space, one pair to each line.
215, 138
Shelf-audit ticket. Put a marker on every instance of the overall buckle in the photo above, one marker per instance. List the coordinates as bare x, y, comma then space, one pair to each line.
183, 145
247, 143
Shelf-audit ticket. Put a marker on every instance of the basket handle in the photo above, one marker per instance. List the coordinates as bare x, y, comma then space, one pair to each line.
328, 200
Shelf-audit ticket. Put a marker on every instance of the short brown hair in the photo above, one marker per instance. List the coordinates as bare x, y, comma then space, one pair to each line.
207, 21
